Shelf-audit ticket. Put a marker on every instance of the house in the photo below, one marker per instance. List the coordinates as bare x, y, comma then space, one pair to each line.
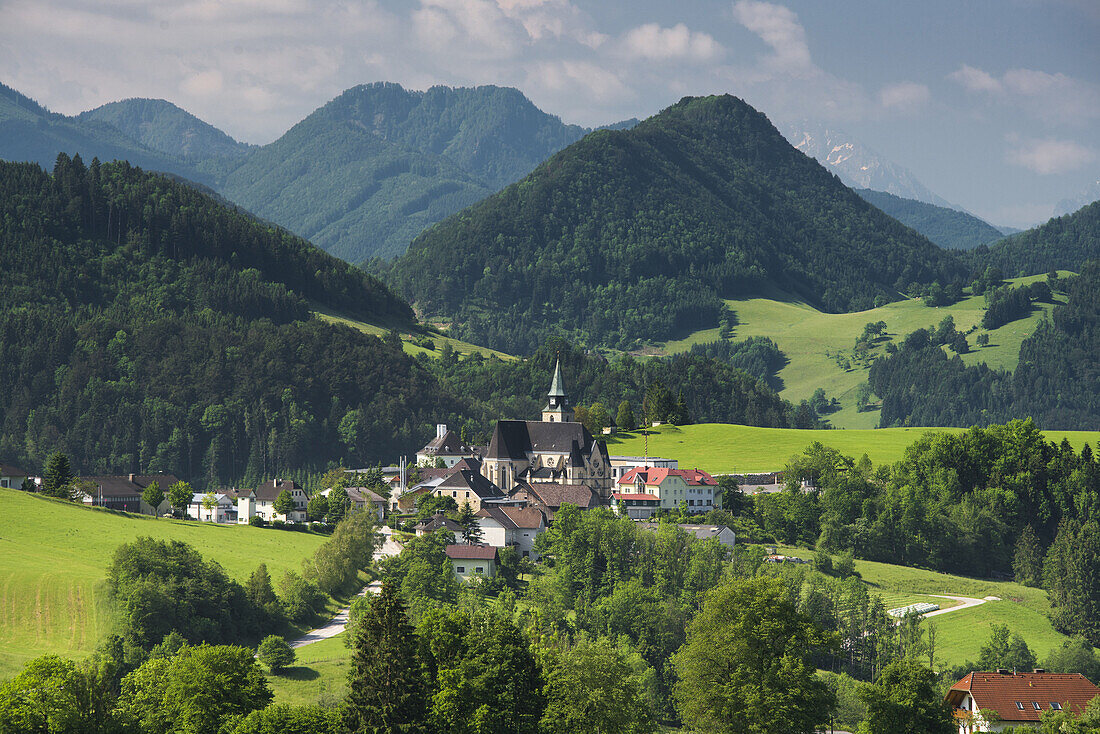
362, 498
635, 505
555, 449
1016, 699
260, 502
724, 535
12, 477
620, 465
473, 560
124, 492
692, 489
428, 478
515, 527
438, 521
548, 497
446, 447
224, 510
466, 483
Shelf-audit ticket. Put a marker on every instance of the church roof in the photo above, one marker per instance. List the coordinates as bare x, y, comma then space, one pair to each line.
557, 386
513, 439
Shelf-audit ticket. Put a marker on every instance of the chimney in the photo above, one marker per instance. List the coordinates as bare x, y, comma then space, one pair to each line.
132, 477
1039, 670
440, 430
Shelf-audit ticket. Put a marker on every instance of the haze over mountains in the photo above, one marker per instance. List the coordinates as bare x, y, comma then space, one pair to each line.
948, 228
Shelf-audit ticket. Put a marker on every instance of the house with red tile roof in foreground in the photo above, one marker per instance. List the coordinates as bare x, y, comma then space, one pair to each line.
643, 490
995, 701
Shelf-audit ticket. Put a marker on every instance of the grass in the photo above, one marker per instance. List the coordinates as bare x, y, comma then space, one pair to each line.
408, 345
723, 448
819, 346
319, 676
961, 634
54, 557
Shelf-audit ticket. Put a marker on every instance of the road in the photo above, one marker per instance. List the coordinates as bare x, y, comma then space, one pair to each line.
966, 602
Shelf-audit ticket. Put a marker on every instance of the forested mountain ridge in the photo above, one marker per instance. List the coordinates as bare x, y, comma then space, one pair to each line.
146, 327
948, 228
634, 235
1063, 243
164, 127
367, 172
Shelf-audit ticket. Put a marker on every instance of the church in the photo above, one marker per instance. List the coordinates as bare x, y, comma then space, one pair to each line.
556, 450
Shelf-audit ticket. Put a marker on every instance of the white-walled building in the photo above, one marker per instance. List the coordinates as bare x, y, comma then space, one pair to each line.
621, 465
11, 476
224, 509
693, 489
447, 447
261, 502
473, 560
516, 527
993, 701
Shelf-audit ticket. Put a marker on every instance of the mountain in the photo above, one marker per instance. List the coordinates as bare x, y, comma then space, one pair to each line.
946, 227
149, 328
636, 235
1063, 243
857, 165
367, 172
1090, 194
29, 132
162, 126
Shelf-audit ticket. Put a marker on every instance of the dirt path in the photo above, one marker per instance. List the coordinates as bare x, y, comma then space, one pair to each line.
965, 602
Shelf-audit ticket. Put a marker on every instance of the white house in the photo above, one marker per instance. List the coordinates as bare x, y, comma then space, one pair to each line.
224, 510
692, 489
447, 447
517, 527
261, 502
620, 465
473, 560
993, 701
724, 535
12, 477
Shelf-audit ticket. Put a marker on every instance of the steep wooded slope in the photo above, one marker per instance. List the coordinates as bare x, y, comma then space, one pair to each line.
948, 228
637, 234
162, 126
1063, 243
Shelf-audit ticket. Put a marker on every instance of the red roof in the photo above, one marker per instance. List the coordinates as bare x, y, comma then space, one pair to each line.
657, 475
1014, 695
635, 496
460, 552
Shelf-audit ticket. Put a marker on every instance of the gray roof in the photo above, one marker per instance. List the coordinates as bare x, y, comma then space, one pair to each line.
468, 479
8, 470
557, 388
513, 439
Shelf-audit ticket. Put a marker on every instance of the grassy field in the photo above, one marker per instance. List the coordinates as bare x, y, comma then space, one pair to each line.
722, 448
407, 339
54, 557
819, 346
318, 676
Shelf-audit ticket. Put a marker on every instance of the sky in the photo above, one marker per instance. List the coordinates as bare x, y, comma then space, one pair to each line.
994, 105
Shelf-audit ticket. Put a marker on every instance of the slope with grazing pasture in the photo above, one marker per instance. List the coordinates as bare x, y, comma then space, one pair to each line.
819, 346
724, 448
633, 236
54, 557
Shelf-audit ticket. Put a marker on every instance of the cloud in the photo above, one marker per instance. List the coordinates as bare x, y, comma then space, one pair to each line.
1048, 156
975, 79
1050, 97
651, 41
904, 96
778, 27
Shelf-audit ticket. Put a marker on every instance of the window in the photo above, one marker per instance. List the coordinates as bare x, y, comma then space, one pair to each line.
1020, 705
1036, 705
460, 569
5, 483
1055, 706
481, 569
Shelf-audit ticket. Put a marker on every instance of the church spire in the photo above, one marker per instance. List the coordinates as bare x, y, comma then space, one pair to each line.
557, 408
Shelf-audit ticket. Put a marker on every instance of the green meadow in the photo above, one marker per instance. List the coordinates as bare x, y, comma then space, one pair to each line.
319, 675
723, 448
54, 557
819, 346
407, 339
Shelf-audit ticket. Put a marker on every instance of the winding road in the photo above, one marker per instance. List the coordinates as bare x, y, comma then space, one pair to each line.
966, 602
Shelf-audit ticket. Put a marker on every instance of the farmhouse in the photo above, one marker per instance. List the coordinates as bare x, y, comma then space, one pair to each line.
12, 477
473, 560
1016, 699
124, 492
260, 502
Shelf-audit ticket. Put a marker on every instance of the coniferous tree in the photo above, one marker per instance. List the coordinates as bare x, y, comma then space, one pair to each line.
1027, 562
471, 529
386, 690
57, 475
625, 416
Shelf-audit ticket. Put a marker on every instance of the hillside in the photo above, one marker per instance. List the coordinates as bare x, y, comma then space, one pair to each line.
162, 126
631, 236
820, 347
149, 328
723, 448
948, 228
53, 562
29, 132
1063, 243
367, 172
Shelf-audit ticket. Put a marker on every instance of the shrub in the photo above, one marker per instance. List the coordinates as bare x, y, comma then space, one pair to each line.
256, 521
275, 653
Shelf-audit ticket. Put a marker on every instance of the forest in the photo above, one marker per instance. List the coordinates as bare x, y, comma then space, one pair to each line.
1063, 243
635, 235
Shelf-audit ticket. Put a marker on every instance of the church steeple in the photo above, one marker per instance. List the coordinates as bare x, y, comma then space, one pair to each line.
557, 408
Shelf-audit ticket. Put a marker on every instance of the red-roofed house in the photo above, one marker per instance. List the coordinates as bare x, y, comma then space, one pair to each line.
473, 560
512, 526
695, 490
993, 701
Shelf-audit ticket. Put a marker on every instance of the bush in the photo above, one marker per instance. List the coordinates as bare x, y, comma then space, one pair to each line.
275, 653
278, 524
301, 598
256, 521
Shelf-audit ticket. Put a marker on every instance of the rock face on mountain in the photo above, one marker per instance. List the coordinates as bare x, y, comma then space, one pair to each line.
367, 172
946, 227
857, 165
636, 235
